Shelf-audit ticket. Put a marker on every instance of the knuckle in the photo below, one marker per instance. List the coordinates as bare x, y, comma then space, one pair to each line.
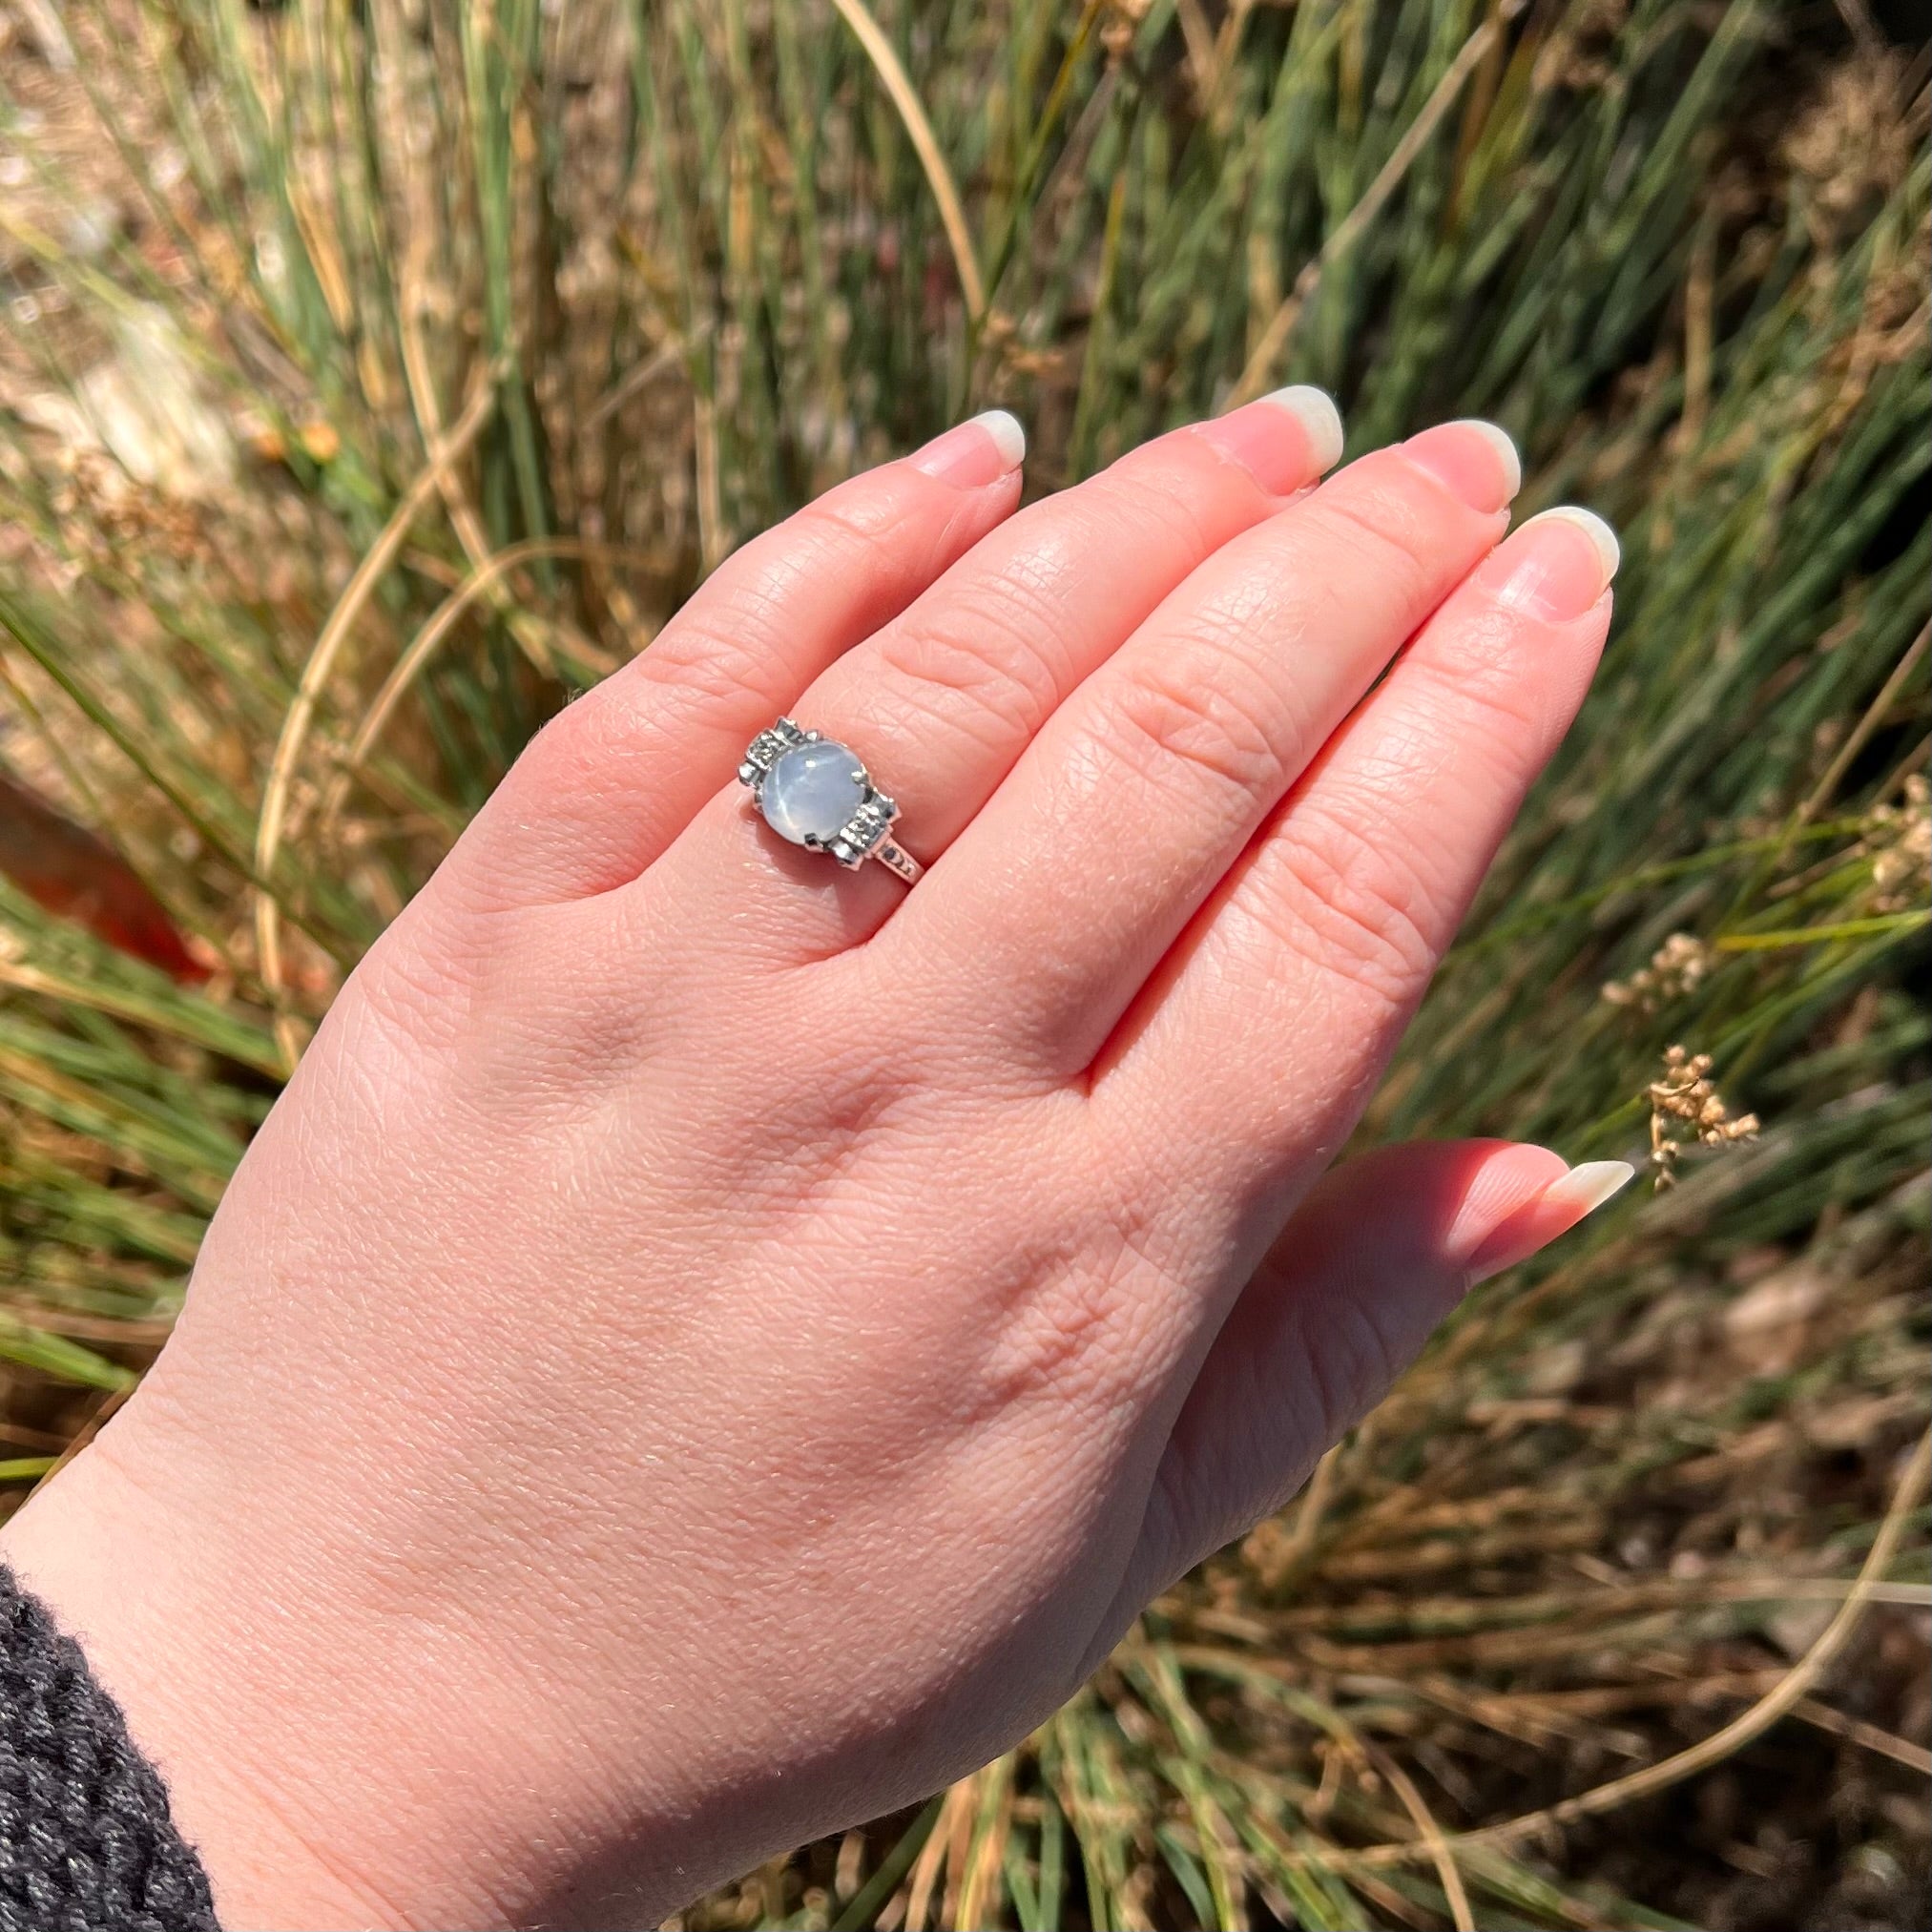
1133, 500
725, 640
696, 667
422, 989
1093, 1327
1488, 699
1355, 908
1351, 1359
400, 1014
1078, 1321
858, 525
714, 654
1167, 722
437, 973
1049, 1343
997, 648
1377, 524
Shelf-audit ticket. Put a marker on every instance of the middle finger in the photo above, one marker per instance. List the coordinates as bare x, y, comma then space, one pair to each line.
1060, 899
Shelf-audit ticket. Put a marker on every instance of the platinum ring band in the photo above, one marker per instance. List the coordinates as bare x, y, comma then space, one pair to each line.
817, 793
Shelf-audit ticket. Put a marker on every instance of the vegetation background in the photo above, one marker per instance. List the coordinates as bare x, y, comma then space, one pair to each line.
376, 374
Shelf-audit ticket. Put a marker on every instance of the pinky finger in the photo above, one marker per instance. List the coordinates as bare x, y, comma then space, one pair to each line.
1366, 1267
1310, 958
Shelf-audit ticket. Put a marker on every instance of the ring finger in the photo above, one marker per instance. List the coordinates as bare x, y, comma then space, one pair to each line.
941, 701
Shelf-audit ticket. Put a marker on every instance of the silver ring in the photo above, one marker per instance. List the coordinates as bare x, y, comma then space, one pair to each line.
817, 793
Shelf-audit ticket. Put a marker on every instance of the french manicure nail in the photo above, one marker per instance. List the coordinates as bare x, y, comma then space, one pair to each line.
1472, 459
975, 453
1588, 1185
1566, 1201
1558, 563
1254, 437
1320, 419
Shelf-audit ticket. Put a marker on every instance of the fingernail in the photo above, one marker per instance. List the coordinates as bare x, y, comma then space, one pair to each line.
977, 452
1254, 437
1472, 459
1587, 1186
1555, 1211
1558, 563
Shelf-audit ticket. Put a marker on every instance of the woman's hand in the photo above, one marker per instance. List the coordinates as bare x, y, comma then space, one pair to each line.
712, 1345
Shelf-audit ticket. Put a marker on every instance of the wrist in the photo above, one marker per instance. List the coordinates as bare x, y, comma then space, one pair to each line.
286, 1729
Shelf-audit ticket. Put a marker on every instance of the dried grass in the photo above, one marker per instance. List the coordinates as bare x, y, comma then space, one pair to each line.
373, 379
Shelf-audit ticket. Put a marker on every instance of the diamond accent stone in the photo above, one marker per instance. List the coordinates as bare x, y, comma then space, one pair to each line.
863, 830
765, 750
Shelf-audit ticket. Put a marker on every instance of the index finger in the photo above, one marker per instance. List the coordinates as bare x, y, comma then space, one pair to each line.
609, 782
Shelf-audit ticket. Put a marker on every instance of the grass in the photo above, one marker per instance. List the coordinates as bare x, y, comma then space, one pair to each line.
373, 378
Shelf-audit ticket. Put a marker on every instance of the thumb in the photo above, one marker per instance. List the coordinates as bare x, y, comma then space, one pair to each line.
1380, 1251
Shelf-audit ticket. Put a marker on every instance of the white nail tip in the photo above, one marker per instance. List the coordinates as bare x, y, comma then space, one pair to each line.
1586, 1188
1610, 552
1007, 435
1320, 419
1498, 441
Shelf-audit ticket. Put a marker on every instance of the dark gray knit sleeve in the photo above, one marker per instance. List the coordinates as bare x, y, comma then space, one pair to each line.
86, 1840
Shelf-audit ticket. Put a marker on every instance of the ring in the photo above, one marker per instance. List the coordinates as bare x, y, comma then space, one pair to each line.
817, 793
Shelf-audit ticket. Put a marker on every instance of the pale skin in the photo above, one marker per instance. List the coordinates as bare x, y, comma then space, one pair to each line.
711, 1346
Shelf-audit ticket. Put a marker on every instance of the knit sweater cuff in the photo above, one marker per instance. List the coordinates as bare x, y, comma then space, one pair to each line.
87, 1844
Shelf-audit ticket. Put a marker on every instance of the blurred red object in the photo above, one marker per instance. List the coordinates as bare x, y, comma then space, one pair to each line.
71, 873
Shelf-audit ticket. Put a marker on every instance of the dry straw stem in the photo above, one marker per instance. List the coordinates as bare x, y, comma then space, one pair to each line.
1876, 713
925, 145
1539, 1717
1860, 735
659, 363
1298, 1545
1211, 53
315, 675
1431, 1835
949, 1837
714, 540
973, 1887
464, 516
740, 190
1793, 1688
1902, 1750
484, 581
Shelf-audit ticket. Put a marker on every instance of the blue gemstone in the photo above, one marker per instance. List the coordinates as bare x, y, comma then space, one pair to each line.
811, 791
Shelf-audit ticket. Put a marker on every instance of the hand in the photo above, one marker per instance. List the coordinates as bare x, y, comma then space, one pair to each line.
711, 1346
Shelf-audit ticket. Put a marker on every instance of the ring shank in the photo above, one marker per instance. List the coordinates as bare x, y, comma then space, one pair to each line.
894, 856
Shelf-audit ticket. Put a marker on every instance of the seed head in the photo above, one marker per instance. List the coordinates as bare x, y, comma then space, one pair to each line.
1675, 968
1898, 839
1686, 1109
